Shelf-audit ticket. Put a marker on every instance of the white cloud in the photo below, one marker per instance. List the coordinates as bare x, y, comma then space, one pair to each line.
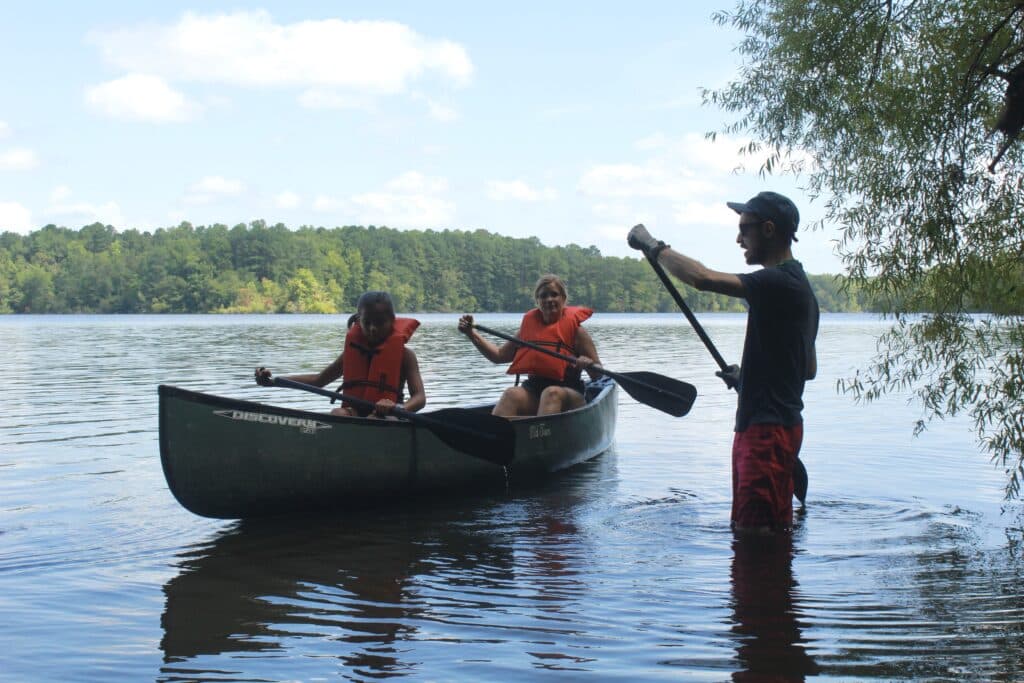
403, 210
438, 111
323, 202
651, 179
5, 129
15, 218
319, 98
212, 188
518, 190
615, 218
287, 200
18, 159
681, 178
687, 101
672, 182
141, 97
616, 211
411, 200
251, 49
215, 184
614, 232
81, 213
85, 213
654, 141
59, 194
724, 154
703, 213
678, 185
567, 111
441, 112
721, 155
416, 182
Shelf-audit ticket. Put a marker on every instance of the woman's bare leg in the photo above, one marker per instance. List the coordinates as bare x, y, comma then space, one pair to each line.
558, 400
516, 402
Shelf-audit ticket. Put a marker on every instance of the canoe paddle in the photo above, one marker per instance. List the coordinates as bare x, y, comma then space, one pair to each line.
799, 471
664, 393
481, 435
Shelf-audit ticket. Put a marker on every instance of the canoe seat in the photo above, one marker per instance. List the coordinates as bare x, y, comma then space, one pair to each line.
593, 388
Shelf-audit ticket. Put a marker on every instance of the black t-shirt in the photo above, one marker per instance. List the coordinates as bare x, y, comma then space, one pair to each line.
782, 324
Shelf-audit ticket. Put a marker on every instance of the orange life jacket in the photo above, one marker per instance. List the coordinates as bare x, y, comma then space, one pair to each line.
373, 373
559, 336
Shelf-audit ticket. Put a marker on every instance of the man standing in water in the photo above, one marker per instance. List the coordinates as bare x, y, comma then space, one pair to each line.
778, 354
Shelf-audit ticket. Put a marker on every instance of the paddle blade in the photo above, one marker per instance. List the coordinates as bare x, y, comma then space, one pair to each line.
800, 481
658, 391
480, 435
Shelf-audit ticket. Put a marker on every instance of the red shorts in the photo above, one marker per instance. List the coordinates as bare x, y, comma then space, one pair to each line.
763, 457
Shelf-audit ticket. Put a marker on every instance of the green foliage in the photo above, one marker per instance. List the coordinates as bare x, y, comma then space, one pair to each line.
256, 269
903, 117
307, 295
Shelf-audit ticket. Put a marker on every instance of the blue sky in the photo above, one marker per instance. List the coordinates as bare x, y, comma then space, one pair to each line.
566, 121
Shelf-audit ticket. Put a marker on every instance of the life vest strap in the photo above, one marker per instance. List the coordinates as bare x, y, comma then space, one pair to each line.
367, 351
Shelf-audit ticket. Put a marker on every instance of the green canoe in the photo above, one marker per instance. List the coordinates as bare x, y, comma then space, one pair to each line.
234, 459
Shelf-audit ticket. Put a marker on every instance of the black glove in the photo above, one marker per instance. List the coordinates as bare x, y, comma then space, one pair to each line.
639, 238
731, 376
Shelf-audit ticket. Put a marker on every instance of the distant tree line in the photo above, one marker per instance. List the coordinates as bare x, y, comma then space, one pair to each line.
260, 268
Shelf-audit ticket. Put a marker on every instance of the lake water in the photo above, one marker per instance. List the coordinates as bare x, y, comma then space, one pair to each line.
906, 565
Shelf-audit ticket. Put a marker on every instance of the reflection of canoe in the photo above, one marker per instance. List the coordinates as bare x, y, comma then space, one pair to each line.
263, 584
234, 459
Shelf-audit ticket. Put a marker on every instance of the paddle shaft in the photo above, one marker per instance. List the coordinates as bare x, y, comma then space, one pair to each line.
572, 359
531, 345
396, 411
312, 388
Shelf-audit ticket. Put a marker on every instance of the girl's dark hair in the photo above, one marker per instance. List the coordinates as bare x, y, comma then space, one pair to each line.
375, 299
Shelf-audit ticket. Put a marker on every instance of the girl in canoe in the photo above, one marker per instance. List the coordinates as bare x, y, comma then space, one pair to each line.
551, 385
375, 364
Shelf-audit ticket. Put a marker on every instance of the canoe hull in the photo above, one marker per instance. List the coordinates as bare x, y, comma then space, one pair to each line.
234, 459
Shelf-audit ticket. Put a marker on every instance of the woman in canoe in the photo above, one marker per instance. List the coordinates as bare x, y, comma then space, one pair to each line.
375, 364
551, 385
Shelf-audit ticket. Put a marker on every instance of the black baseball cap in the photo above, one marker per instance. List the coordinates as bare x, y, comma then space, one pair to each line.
771, 206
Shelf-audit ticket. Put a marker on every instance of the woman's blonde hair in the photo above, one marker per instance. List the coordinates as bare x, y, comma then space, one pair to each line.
552, 280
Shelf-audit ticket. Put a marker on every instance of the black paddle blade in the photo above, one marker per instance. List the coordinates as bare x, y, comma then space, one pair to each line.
800, 481
481, 435
658, 391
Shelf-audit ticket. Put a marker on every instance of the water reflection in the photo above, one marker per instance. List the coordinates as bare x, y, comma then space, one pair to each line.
258, 586
770, 645
370, 592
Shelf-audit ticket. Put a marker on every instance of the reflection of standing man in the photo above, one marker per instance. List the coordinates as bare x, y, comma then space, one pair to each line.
769, 645
778, 354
